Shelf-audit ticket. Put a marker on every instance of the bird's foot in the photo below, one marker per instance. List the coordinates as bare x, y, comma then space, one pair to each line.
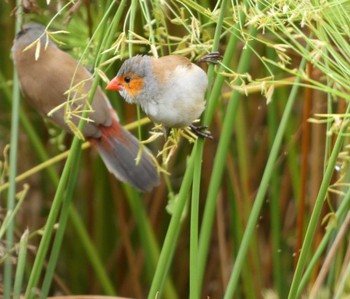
201, 131
212, 57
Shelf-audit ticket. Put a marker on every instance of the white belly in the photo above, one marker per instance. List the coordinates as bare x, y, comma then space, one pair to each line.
182, 100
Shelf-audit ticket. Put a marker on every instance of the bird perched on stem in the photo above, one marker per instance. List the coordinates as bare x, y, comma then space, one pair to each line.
55, 83
170, 89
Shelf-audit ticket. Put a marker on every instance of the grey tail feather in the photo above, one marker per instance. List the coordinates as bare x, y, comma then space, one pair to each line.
119, 153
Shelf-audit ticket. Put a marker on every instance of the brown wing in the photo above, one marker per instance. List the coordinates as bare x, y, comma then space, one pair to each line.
45, 82
168, 63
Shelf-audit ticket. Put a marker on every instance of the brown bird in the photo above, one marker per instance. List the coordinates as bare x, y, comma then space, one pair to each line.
45, 81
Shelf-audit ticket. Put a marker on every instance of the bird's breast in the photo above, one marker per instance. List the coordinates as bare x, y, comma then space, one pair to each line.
180, 100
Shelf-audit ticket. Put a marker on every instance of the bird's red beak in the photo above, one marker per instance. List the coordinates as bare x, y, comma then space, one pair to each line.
114, 85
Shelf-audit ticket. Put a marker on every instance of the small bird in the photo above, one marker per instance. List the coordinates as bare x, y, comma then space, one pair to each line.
46, 80
170, 89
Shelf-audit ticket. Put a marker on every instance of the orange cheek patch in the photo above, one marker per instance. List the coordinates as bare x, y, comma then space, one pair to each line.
134, 87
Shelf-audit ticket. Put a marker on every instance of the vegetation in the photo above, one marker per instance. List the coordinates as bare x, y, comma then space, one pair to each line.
259, 212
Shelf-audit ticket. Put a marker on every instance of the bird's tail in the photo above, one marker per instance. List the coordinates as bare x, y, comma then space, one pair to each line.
119, 150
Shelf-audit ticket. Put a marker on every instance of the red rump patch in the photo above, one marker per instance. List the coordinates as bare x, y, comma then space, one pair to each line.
119, 150
113, 134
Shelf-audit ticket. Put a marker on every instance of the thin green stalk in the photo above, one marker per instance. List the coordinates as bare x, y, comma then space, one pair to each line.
49, 227
132, 16
168, 248
215, 182
10, 215
260, 197
194, 282
90, 251
236, 228
43, 248
251, 283
330, 232
145, 231
30, 131
275, 208
56, 248
107, 39
314, 220
220, 156
147, 16
328, 144
343, 283
293, 154
11, 196
132, 11
161, 22
327, 152
148, 240
17, 289
219, 81
242, 153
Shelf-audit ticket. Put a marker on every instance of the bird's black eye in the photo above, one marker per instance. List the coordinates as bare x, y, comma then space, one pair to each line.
127, 79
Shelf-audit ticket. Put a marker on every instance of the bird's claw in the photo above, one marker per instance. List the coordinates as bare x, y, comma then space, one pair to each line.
212, 57
201, 131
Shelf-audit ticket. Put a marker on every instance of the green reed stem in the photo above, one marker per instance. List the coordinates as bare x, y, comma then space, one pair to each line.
220, 156
168, 247
263, 187
339, 215
315, 216
11, 196
22, 253
194, 282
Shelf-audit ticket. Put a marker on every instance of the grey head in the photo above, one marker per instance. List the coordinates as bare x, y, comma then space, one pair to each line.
30, 33
139, 64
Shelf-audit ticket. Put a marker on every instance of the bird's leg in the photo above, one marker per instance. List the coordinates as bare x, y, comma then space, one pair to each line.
212, 57
167, 132
201, 131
